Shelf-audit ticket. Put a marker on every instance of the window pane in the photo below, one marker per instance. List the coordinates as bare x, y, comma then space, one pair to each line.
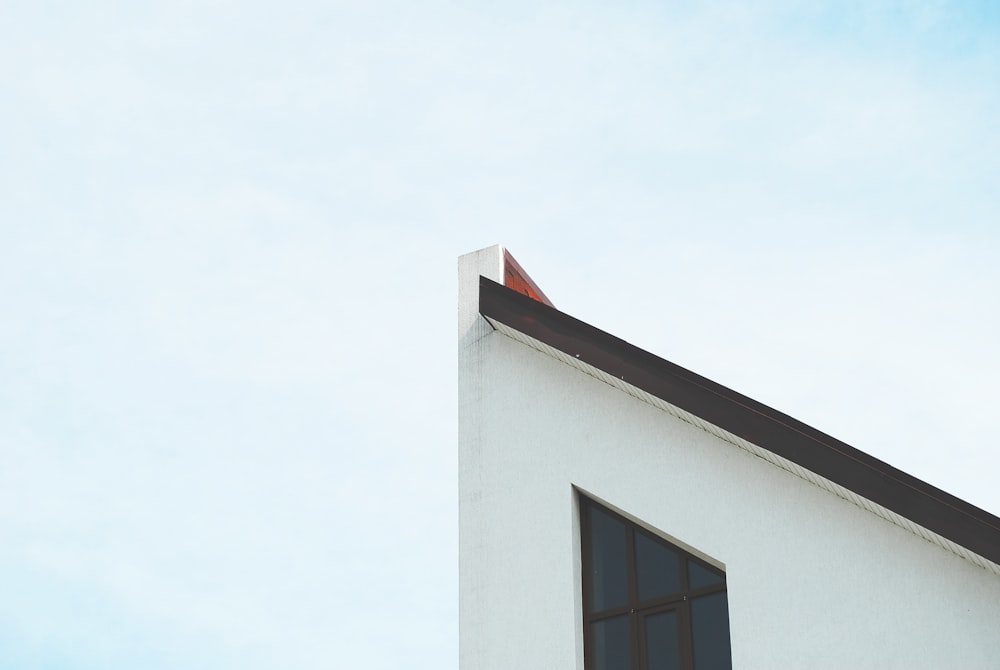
658, 568
662, 646
608, 576
700, 576
710, 632
611, 645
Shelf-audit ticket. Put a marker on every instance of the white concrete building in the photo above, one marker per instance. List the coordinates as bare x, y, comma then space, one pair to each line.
614, 507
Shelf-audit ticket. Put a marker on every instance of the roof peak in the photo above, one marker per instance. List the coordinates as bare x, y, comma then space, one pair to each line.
515, 277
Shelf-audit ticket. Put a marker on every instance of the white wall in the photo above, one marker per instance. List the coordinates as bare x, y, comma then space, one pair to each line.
814, 581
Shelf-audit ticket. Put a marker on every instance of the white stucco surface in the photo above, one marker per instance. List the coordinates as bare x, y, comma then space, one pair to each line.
814, 581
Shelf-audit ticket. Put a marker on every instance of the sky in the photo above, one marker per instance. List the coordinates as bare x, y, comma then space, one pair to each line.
228, 243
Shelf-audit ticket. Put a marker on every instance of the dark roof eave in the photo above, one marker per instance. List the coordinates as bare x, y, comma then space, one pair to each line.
916, 500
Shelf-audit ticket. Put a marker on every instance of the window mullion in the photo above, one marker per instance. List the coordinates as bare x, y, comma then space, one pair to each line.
685, 636
641, 661
633, 597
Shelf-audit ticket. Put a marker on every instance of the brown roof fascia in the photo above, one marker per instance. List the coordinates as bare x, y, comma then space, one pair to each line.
867, 476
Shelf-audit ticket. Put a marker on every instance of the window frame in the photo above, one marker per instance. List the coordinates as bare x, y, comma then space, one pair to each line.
639, 609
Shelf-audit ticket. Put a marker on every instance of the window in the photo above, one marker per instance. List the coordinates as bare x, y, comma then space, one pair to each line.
648, 605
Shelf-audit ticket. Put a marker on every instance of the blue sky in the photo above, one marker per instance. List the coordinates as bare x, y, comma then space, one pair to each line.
228, 235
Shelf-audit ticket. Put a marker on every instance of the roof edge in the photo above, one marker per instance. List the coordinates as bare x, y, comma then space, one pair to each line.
921, 503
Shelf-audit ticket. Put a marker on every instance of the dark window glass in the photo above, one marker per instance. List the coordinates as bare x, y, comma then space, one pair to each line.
611, 644
608, 566
700, 576
640, 613
658, 568
710, 632
663, 649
